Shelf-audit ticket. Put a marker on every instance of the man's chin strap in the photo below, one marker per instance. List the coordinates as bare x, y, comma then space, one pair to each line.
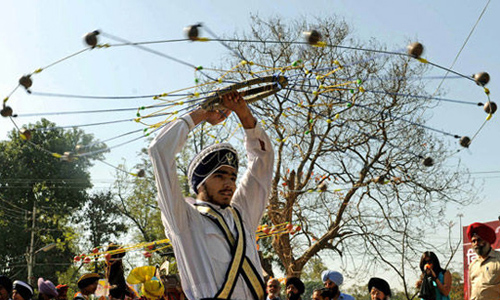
240, 264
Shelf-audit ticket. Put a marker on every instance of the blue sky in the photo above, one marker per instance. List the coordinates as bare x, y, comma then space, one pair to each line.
36, 33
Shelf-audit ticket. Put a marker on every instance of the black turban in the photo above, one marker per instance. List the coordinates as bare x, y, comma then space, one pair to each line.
380, 285
23, 289
210, 160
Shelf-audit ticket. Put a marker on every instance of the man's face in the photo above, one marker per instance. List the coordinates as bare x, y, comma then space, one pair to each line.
4, 295
481, 247
219, 187
316, 296
332, 286
273, 287
90, 289
376, 294
16, 295
292, 292
63, 295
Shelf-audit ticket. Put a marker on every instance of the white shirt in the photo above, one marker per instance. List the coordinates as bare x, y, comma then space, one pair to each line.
201, 251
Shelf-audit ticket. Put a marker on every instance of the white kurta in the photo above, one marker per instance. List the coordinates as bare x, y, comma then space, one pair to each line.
201, 251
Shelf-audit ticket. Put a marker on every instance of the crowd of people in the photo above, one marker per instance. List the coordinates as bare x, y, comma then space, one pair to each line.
213, 235
21, 290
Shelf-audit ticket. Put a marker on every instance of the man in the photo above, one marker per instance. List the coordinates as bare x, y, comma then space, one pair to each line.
21, 290
273, 289
5, 287
333, 280
323, 294
62, 292
87, 285
484, 272
222, 220
46, 289
294, 288
379, 289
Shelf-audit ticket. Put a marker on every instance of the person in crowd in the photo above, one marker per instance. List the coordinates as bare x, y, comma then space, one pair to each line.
441, 278
46, 289
333, 280
87, 285
379, 289
5, 287
214, 235
62, 292
323, 294
484, 272
22, 290
294, 288
273, 289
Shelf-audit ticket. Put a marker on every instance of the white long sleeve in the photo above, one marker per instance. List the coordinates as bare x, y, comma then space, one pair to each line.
201, 251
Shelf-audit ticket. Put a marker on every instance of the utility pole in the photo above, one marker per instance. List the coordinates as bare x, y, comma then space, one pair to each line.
31, 255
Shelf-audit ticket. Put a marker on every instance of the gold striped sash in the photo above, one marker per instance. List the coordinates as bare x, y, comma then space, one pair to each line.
240, 264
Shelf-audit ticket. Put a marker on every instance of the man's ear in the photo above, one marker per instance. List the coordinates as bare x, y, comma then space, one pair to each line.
201, 191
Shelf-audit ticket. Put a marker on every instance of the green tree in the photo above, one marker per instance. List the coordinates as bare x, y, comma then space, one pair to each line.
137, 200
101, 219
40, 191
102, 223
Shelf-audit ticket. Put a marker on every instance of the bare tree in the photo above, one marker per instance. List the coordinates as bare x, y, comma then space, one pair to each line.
354, 166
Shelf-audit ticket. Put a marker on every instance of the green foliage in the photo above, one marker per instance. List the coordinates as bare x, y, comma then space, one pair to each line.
312, 271
359, 292
32, 177
101, 220
457, 286
310, 287
137, 201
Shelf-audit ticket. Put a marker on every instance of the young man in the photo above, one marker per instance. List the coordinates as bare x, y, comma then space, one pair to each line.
323, 294
333, 280
62, 292
484, 272
21, 290
214, 236
379, 289
46, 289
87, 285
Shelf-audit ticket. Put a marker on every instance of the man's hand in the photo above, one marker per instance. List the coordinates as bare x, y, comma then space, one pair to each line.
236, 103
212, 117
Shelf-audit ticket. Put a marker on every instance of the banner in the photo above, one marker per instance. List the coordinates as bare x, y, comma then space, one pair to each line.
470, 255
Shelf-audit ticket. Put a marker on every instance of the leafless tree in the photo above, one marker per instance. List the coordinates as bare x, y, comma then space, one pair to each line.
350, 148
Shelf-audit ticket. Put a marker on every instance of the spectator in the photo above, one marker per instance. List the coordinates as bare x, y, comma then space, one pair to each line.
87, 285
484, 272
46, 289
273, 289
323, 294
379, 289
62, 292
21, 290
294, 288
333, 280
5, 287
441, 278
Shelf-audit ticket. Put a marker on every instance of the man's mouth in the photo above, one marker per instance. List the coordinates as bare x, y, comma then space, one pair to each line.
228, 193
